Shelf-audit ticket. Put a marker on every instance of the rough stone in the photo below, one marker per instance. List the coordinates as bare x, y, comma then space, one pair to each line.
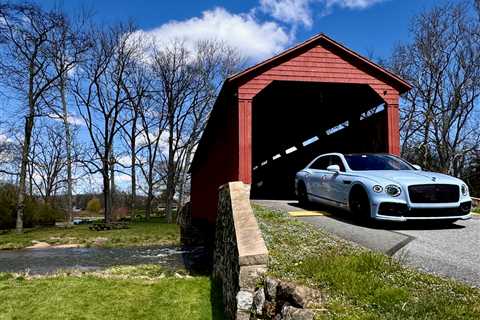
258, 301
292, 313
100, 240
298, 296
269, 309
244, 300
271, 287
242, 315
249, 276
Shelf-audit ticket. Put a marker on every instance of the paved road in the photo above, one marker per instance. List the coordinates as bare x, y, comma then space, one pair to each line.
451, 250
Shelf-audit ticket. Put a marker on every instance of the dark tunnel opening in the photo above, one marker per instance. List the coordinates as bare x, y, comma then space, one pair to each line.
294, 122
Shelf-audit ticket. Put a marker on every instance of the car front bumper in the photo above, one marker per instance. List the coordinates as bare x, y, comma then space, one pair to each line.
401, 211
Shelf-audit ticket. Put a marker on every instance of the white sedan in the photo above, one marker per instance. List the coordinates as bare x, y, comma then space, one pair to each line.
382, 187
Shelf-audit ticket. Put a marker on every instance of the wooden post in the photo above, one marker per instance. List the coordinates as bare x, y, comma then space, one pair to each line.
245, 140
393, 128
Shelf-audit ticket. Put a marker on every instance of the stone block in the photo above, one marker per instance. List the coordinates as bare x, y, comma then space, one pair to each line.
271, 288
244, 300
250, 275
258, 301
292, 313
297, 295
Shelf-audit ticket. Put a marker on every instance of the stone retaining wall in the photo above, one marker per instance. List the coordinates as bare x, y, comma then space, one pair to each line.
240, 255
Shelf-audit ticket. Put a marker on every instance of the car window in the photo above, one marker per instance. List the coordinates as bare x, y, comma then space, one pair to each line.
321, 163
336, 160
362, 162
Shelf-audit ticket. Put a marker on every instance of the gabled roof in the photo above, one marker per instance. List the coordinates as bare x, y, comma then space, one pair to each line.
402, 85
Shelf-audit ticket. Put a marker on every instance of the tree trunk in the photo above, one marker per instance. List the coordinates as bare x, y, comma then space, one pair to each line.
170, 192
29, 122
112, 187
181, 191
107, 196
68, 146
134, 163
148, 212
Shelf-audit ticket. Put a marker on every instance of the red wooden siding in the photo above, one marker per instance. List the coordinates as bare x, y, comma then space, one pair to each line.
319, 64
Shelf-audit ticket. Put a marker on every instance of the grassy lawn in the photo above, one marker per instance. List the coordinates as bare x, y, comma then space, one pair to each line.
153, 232
360, 284
142, 292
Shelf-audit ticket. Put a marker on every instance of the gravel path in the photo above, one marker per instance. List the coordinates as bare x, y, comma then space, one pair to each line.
448, 250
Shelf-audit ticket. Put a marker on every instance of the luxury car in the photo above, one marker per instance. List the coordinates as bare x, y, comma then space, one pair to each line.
382, 187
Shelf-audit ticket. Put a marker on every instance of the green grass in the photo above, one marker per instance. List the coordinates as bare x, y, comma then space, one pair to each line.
360, 284
153, 232
476, 210
142, 293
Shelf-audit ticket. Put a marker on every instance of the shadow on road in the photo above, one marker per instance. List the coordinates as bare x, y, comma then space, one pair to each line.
347, 217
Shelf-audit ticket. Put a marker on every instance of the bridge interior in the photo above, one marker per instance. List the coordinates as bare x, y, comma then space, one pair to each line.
293, 122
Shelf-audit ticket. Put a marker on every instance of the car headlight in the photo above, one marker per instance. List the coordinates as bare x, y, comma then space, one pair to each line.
393, 190
464, 189
376, 188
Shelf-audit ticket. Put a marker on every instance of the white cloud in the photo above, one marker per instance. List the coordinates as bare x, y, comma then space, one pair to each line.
5, 139
74, 120
302, 11
352, 4
289, 11
254, 39
121, 178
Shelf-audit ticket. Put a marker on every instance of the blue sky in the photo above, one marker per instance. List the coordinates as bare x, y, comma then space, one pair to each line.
366, 26
258, 28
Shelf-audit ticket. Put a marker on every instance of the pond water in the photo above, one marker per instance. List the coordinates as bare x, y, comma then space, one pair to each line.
50, 260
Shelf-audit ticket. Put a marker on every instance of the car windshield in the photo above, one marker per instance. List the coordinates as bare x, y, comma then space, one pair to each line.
362, 162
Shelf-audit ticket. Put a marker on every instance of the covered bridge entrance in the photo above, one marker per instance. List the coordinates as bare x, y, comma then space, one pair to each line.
272, 119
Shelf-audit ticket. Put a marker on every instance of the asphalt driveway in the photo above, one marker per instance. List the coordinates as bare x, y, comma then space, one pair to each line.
451, 250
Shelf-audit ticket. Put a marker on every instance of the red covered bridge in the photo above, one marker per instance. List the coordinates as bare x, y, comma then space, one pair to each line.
271, 119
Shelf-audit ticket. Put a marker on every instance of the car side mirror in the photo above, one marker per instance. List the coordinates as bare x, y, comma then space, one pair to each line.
333, 168
417, 167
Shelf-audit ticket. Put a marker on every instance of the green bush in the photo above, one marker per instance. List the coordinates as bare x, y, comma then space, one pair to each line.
36, 212
94, 205
8, 194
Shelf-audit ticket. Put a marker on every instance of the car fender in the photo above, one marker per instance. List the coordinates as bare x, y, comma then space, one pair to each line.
365, 185
301, 176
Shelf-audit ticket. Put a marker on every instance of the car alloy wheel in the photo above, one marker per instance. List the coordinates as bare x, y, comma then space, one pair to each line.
359, 204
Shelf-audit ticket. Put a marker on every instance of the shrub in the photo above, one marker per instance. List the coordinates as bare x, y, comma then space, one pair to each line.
8, 194
36, 212
94, 205
119, 213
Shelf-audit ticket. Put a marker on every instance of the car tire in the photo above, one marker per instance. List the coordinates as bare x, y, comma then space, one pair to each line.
360, 204
302, 194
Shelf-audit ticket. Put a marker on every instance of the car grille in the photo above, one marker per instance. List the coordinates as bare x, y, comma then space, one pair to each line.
434, 193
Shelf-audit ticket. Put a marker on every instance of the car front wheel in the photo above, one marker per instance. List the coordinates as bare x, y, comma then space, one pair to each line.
359, 203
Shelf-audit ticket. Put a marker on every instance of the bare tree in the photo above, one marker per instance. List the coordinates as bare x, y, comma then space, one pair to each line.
439, 126
49, 161
101, 99
152, 120
25, 34
68, 47
188, 81
137, 87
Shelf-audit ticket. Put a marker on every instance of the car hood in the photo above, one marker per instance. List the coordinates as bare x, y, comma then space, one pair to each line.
407, 177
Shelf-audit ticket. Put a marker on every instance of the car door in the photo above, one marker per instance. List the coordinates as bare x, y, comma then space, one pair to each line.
336, 184
316, 179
